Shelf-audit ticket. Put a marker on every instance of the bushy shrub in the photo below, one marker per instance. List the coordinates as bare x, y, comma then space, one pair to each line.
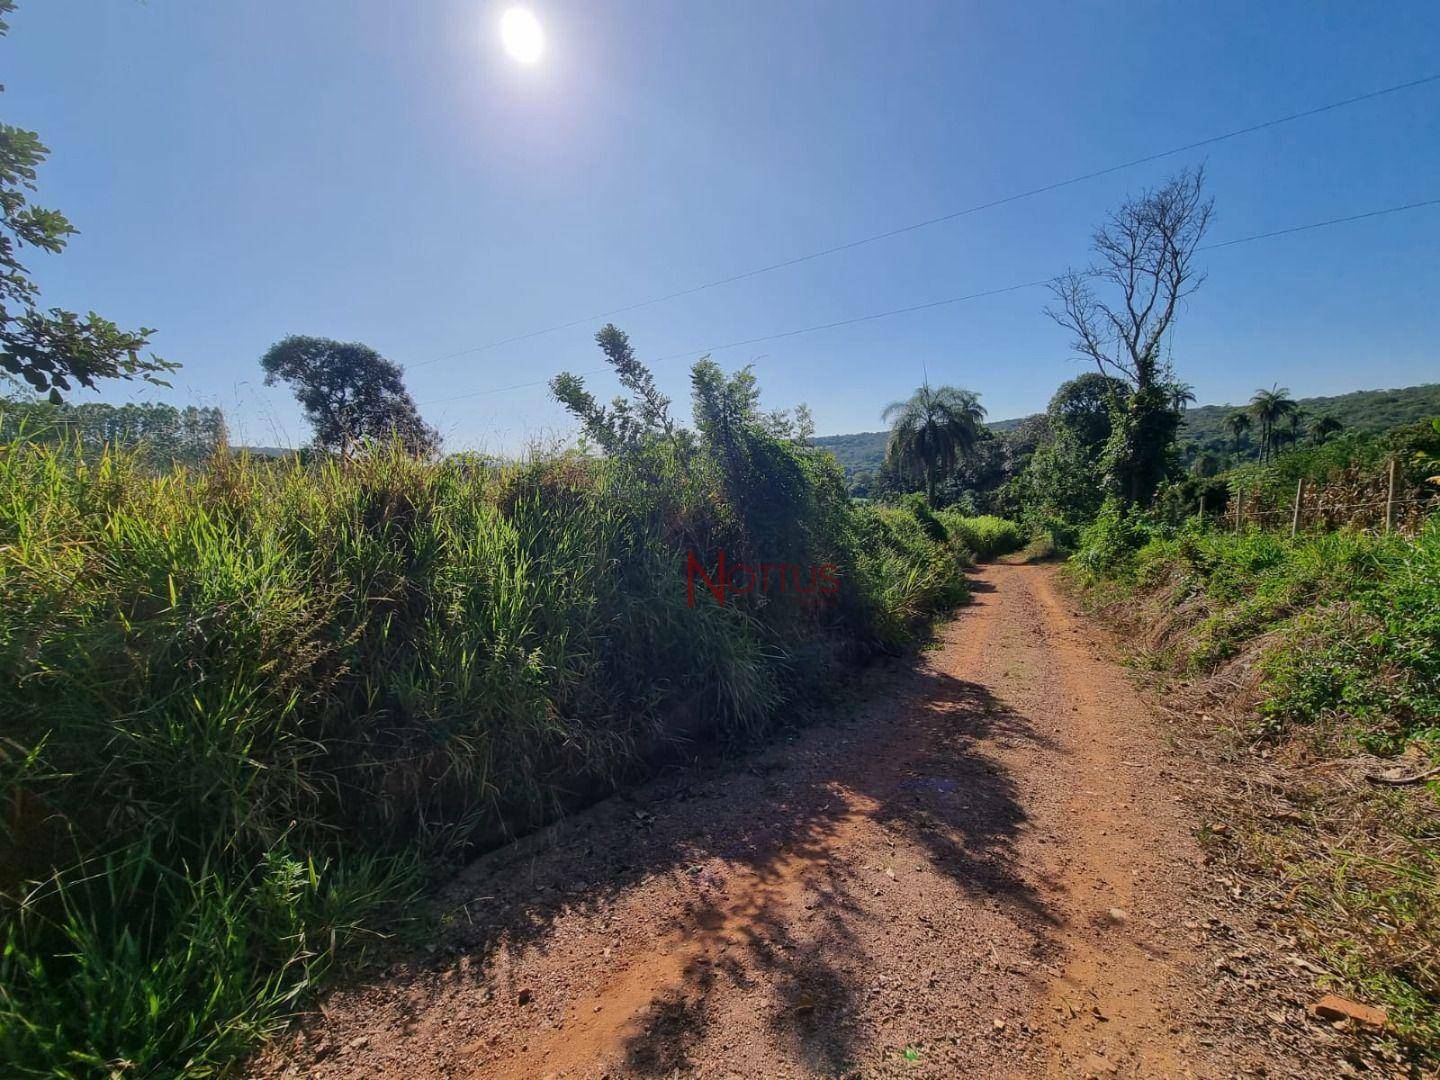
1108, 542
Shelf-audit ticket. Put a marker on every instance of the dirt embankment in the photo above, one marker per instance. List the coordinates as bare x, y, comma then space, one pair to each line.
984, 869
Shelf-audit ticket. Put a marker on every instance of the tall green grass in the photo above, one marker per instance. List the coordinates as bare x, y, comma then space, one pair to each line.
246, 705
1350, 618
985, 536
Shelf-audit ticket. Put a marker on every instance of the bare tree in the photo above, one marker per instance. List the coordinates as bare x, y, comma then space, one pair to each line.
1146, 262
1119, 311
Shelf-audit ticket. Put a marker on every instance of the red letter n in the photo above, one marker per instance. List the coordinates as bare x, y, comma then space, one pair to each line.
693, 567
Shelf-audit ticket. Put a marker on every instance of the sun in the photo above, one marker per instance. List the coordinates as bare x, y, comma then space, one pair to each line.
521, 33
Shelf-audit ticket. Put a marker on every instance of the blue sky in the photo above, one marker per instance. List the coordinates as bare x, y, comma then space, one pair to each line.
384, 172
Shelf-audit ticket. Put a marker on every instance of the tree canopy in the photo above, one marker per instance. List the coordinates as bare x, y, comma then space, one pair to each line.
931, 430
1084, 405
349, 392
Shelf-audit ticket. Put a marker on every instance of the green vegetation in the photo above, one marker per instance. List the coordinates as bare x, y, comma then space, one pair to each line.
349, 392
1203, 429
1270, 408
251, 702
163, 434
1118, 312
931, 431
1351, 617
1367, 412
1333, 634
985, 536
248, 702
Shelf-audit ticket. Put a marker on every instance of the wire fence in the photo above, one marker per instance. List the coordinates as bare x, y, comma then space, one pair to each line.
1387, 501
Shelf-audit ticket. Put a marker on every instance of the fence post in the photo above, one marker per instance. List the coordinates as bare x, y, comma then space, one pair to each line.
1239, 498
1299, 495
1390, 499
1202, 506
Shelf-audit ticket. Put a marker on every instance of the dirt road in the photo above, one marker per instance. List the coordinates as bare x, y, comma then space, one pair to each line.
979, 871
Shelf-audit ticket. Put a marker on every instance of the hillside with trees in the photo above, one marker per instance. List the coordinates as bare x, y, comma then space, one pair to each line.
1202, 427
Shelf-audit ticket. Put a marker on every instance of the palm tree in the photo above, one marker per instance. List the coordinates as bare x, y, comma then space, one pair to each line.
1296, 420
931, 431
1322, 427
1269, 407
1237, 423
1182, 394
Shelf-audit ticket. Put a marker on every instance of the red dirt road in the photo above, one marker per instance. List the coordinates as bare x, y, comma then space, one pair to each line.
978, 871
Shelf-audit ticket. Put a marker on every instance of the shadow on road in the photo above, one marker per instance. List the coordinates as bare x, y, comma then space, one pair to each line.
771, 911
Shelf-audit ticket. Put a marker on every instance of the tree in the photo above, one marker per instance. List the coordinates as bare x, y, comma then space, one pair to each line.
931, 430
1206, 464
1237, 423
1269, 407
1085, 404
349, 393
1145, 267
623, 425
162, 434
1295, 423
1182, 395
51, 350
1322, 428
1062, 481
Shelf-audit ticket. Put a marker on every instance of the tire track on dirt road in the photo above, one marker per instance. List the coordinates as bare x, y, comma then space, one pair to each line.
973, 873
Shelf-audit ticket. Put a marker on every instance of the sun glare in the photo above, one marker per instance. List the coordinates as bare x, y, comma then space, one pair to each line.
521, 33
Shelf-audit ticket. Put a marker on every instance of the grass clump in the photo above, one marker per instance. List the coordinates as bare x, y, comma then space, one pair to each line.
249, 703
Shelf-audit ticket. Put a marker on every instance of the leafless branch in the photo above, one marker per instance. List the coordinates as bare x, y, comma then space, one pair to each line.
1146, 256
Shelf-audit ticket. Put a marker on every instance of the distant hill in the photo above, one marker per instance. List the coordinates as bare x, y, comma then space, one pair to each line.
1363, 410
864, 450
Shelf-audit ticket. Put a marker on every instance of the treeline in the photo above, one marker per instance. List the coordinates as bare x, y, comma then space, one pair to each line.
1049, 472
1203, 432
1210, 429
161, 435
249, 702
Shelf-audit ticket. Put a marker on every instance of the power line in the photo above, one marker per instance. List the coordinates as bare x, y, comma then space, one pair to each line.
1320, 224
900, 231
942, 303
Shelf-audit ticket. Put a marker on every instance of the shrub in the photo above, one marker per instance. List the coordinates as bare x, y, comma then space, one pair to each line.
1108, 542
986, 537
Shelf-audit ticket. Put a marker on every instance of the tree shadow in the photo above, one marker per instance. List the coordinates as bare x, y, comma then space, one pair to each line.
750, 842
